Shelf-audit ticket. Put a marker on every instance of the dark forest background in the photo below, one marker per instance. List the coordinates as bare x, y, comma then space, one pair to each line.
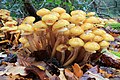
103, 8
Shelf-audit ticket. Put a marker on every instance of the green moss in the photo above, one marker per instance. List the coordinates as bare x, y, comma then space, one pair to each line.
116, 53
114, 25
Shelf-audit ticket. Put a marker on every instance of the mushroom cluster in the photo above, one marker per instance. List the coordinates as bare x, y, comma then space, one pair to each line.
8, 28
68, 37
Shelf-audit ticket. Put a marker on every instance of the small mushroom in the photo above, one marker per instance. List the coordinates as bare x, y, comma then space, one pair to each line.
87, 26
99, 32
25, 28
61, 48
49, 19
77, 19
104, 44
90, 14
91, 46
93, 20
76, 43
43, 12
77, 12
39, 25
58, 28
60, 24
59, 10
108, 37
65, 16
87, 36
55, 13
76, 31
28, 20
98, 38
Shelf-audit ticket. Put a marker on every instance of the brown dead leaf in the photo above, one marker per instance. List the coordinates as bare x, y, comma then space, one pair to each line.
77, 70
70, 75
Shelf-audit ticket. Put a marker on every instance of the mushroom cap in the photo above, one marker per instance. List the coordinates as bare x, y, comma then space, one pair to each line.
108, 37
76, 19
5, 28
40, 25
91, 14
49, 19
23, 40
28, 20
61, 47
76, 42
104, 44
99, 32
98, 38
77, 12
42, 12
55, 13
59, 10
4, 12
65, 16
25, 27
87, 36
87, 26
91, 46
11, 23
93, 20
60, 24
12, 28
77, 30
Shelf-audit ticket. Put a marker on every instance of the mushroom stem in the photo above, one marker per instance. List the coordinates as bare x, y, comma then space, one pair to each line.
63, 57
51, 35
86, 57
81, 55
75, 54
56, 44
31, 42
37, 42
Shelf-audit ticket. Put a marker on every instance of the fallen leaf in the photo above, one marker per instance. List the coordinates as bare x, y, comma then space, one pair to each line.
77, 70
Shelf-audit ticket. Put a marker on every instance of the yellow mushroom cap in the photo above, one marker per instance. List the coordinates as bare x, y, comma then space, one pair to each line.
5, 28
91, 14
91, 46
65, 16
49, 19
87, 26
76, 42
25, 27
93, 20
42, 12
97, 38
12, 28
87, 36
40, 25
108, 37
11, 23
61, 48
60, 24
99, 32
77, 30
55, 13
104, 44
76, 19
4, 12
77, 12
29, 20
23, 40
59, 10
